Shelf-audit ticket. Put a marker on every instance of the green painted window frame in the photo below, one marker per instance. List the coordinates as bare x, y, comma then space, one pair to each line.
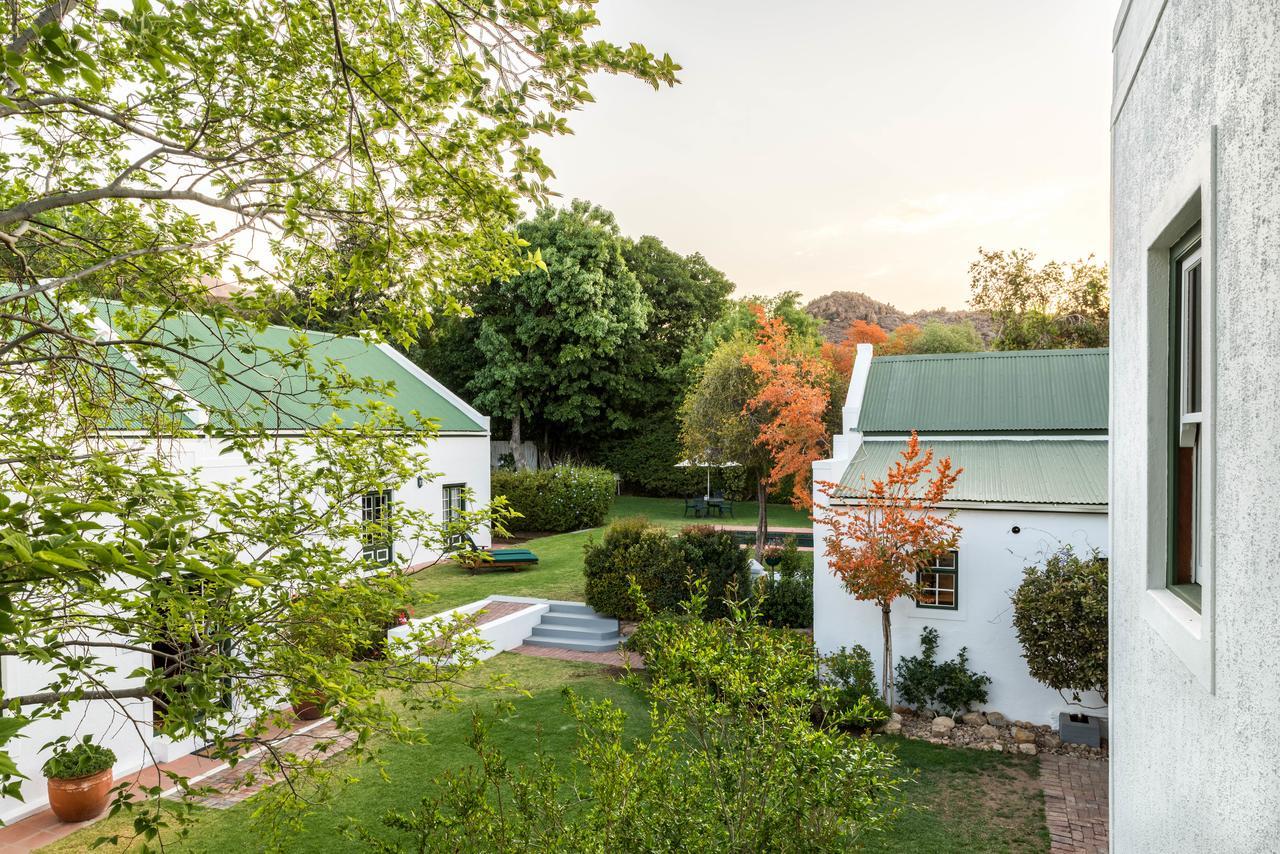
938, 569
448, 509
1186, 249
375, 510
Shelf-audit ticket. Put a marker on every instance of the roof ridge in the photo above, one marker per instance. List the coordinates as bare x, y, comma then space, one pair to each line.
990, 354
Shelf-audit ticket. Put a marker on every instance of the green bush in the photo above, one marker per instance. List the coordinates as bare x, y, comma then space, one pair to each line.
663, 566
633, 548
712, 556
646, 462
851, 677
1060, 615
562, 498
729, 761
950, 687
82, 760
785, 594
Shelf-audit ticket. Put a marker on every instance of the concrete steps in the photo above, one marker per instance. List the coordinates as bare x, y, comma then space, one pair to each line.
576, 627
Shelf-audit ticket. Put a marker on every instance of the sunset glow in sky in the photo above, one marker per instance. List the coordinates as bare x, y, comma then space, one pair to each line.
824, 145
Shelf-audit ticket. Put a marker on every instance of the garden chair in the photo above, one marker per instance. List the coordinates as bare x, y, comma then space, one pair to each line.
721, 503
697, 505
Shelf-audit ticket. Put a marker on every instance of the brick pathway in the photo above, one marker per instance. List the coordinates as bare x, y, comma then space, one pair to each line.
492, 610
617, 658
1075, 803
231, 783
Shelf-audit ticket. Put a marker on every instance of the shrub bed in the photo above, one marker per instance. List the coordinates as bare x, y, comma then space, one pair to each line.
664, 566
646, 462
562, 498
785, 596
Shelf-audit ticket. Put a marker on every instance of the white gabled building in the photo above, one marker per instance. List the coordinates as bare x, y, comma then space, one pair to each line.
1030, 430
458, 455
1195, 478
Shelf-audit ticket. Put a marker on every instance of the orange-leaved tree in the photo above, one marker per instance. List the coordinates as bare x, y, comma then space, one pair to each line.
882, 533
791, 404
840, 354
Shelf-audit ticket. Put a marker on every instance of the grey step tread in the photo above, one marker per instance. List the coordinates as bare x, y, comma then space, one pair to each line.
570, 633
572, 608
578, 645
577, 620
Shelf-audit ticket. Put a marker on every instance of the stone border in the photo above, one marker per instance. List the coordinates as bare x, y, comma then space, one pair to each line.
987, 731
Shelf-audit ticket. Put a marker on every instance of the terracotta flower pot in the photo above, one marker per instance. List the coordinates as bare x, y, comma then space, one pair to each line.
81, 798
311, 709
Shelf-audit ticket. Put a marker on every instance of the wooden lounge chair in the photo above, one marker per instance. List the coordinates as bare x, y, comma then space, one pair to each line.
513, 559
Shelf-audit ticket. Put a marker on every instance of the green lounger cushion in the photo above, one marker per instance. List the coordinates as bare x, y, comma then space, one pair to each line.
513, 555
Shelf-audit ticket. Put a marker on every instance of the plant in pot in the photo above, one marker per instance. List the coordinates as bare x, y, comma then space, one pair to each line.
1060, 614
79, 780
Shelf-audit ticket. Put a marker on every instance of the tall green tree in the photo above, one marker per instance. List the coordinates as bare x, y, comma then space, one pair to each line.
719, 424
1053, 306
687, 296
147, 146
555, 342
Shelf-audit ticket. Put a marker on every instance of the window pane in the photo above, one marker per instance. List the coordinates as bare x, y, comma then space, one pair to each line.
946, 561
947, 598
1193, 339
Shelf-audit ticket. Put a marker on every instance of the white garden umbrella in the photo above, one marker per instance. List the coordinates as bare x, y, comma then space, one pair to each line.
684, 464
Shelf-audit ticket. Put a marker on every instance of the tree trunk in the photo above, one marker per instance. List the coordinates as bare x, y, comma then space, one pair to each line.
517, 449
886, 677
762, 516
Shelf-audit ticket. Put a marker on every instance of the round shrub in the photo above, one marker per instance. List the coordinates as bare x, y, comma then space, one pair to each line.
712, 556
664, 566
633, 549
562, 498
1060, 615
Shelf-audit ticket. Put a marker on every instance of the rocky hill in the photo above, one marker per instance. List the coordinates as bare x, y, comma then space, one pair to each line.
838, 309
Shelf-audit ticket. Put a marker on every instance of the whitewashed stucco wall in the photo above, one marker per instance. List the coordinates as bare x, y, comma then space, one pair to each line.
991, 560
453, 458
1194, 765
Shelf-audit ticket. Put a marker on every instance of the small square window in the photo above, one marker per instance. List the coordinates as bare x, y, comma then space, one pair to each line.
938, 585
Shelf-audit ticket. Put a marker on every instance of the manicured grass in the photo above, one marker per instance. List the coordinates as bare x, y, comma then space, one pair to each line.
960, 800
412, 768
558, 574
966, 801
670, 511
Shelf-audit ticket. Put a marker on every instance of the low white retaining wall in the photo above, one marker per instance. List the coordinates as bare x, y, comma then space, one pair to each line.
500, 635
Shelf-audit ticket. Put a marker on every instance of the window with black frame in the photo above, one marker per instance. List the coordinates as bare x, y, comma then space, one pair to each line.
375, 518
938, 584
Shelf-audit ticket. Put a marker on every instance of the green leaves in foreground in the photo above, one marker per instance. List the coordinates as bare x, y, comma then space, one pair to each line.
733, 762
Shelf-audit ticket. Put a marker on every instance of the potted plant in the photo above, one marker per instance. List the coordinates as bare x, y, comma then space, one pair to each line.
1060, 615
79, 780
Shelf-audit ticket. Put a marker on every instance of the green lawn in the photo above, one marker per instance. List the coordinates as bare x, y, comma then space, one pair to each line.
412, 767
558, 574
966, 801
961, 800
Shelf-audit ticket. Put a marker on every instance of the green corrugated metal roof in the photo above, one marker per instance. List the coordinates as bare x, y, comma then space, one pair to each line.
1025, 391
262, 389
997, 471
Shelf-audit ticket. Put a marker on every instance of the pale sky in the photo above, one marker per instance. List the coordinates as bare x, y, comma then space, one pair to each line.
871, 145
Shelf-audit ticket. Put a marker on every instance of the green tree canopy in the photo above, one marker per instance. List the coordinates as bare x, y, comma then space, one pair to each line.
146, 148
1054, 306
554, 343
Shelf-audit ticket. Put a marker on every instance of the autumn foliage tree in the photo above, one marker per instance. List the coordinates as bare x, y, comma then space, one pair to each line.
880, 534
791, 403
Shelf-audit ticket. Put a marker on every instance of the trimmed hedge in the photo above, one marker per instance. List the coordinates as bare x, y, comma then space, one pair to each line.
562, 498
663, 566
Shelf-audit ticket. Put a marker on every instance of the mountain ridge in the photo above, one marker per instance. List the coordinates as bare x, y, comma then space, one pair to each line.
838, 309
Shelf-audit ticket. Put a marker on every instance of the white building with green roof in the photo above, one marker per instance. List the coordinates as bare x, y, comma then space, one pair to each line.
1030, 431
277, 380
